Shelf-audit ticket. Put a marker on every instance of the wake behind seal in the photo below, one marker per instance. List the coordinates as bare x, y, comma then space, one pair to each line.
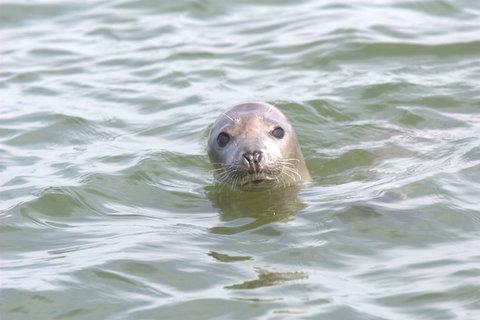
253, 146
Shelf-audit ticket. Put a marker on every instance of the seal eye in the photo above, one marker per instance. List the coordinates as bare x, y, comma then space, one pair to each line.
278, 133
222, 139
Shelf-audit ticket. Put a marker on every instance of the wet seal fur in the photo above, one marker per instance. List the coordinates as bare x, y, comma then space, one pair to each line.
253, 146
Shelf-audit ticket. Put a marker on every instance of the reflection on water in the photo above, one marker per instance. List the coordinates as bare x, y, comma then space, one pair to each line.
106, 205
242, 210
227, 258
266, 278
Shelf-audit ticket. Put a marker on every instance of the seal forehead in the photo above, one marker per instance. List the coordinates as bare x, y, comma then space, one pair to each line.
249, 122
250, 107
255, 109
248, 126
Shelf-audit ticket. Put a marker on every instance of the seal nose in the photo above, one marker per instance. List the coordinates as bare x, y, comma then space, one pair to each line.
252, 160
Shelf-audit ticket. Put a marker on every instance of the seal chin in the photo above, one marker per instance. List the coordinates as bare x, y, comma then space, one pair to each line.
257, 182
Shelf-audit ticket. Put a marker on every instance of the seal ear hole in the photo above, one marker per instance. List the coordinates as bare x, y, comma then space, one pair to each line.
222, 139
278, 132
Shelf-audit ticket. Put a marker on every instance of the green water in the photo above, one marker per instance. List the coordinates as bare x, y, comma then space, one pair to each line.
108, 208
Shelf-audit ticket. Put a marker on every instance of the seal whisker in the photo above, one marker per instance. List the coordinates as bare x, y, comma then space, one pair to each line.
267, 114
225, 174
280, 181
290, 160
288, 163
290, 176
294, 171
226, 115
284, 182
235, 181
216, 170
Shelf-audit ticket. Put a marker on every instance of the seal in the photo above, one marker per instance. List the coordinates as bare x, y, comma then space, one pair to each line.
253, 146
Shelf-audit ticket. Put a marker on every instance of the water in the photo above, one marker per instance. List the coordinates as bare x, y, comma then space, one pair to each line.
108, 209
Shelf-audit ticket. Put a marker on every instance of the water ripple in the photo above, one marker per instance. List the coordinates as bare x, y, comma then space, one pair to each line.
107, 203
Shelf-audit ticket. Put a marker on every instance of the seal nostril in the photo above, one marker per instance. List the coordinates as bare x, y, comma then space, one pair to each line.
248, 157
258, 156
252, 160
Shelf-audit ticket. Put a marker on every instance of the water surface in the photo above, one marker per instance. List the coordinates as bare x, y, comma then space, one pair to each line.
108, 209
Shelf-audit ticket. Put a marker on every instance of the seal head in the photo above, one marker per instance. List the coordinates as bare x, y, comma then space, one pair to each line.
253, 146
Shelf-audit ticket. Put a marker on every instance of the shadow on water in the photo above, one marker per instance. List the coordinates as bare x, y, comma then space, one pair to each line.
257, 208
266, 278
